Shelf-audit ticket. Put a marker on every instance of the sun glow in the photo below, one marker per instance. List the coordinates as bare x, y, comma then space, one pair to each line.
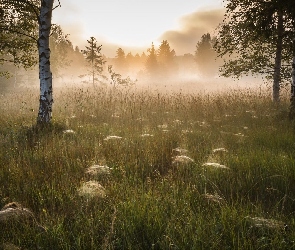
128, 22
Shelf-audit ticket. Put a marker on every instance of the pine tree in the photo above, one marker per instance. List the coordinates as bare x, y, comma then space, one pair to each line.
166, 59
151, 64
205, 56
120, 61
94, 57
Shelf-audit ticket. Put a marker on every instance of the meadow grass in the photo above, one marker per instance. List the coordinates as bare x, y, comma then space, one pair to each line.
181, 171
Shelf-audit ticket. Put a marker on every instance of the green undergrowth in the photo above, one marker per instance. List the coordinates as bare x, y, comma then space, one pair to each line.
159, 194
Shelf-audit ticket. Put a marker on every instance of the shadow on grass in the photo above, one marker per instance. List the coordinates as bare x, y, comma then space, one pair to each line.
31, 135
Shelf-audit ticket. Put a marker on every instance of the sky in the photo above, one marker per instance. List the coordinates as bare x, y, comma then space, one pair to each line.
135, 24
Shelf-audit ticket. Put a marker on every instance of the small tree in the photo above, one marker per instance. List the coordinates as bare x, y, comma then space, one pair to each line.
117, 80
94, 58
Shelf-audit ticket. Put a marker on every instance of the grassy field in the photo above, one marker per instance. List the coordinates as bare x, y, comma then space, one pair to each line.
177, 171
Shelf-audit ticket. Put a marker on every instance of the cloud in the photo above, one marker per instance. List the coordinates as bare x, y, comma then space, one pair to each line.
192, 27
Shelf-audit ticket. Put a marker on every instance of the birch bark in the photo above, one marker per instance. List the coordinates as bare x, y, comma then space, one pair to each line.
292, 105
45, 75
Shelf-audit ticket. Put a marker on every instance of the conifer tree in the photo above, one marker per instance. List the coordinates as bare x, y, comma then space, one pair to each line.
205, 56
152, 62
166, 59
120, 61
93, 56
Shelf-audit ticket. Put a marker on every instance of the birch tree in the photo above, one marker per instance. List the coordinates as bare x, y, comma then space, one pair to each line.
45, 75
291, 9
292, 100
24, 15
255, 35
18, 33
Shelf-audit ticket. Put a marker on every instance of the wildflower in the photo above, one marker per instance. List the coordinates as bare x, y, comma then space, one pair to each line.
18, 214
177, 122
13, 211
186, 131
214, 197
215, 165
219, 150
203, 124
163, 126
98, 170
147, 135
69, 131
112, 137
179, 151
92, 189
265, 223
9, 246
182, 160
239, 135
141, 119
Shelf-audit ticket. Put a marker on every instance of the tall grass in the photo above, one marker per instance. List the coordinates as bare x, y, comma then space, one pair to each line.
160, 194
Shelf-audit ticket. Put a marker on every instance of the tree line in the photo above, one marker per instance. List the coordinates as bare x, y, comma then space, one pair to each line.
255, 37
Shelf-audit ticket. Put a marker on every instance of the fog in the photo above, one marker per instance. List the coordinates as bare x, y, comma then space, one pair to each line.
191, 28
183, 75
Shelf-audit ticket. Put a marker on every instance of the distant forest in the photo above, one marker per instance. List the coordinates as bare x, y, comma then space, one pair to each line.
68, 63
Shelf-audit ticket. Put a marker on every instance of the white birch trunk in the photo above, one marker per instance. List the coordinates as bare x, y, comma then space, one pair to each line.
278, 59
292, 106
45, 75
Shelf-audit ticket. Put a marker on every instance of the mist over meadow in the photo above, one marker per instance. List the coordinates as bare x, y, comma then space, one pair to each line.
184, 142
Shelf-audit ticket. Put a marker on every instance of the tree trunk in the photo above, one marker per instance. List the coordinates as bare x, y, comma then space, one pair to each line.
292, 105
45, 75
278, 59
93, 76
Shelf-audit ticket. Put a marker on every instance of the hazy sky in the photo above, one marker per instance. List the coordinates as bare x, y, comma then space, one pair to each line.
138, 23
